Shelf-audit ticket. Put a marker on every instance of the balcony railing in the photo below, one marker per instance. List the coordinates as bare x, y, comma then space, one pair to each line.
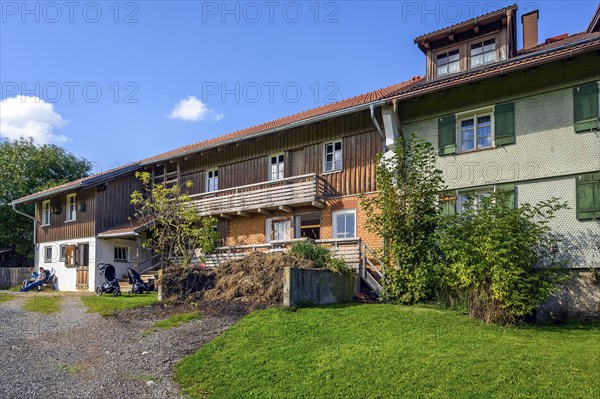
284, 194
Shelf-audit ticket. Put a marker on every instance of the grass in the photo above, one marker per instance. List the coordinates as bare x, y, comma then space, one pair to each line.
108, 305
44, 304
174, 321
71, 369
387, 351
4, 297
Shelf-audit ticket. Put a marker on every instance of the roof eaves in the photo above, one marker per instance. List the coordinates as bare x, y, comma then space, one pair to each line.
595, 22
302, 122
467, 22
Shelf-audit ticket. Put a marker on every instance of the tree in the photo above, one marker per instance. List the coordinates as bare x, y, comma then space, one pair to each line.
177, 231
502, 261
26, 168
405, 214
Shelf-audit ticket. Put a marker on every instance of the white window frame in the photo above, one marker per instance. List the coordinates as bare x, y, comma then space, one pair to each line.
269, 229
48, 253
483, 62
71, 215
334, 214
340, 151
446, 53
122, 248
476, 194
212, 183
46, 213
280, 173
62, 251
475, 114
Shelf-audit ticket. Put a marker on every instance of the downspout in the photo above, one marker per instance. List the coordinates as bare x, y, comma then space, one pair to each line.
376, 123
14, 207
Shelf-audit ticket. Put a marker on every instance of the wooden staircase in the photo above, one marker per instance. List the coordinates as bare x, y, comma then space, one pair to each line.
148, 278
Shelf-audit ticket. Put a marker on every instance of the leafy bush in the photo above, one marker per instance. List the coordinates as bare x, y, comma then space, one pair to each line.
307, 250
405, 214
501, 261
321, 256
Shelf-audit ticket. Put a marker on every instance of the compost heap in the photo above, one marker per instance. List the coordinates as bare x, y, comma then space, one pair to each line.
178, 282
257, 278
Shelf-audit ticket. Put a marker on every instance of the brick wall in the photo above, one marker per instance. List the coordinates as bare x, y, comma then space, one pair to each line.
248, 231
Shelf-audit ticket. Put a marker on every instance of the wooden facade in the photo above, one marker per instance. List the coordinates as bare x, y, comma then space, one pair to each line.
59, 228
243, 163
247, 162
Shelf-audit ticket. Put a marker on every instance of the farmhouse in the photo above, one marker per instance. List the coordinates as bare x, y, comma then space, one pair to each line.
502, 118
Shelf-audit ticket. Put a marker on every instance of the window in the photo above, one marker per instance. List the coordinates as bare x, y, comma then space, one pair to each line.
588, 196
344, 223
308, 226
475, 196
48, 253
121, 254
45, 213
212, 180
71, 207
585, 107
278, 229
448, 63
483, 53
276, 167
475, 132
332, 159
62, 250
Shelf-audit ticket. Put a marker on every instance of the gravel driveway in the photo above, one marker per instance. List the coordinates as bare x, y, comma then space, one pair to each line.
74, 354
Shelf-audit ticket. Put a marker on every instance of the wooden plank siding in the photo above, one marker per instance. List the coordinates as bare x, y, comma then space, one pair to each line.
83, 226
112, 205
242, 163
247, 162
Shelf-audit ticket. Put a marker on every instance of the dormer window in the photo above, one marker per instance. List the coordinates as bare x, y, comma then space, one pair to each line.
448, 62
483, 53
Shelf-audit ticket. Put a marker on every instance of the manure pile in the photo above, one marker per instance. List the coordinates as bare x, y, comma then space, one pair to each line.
256, 279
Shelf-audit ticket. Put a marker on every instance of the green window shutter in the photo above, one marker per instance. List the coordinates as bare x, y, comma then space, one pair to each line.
509, 189
447, 135
504, 122
585, 105
588, 196
448, 205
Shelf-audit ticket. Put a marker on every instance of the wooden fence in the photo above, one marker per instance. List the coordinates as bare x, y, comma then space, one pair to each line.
12, 276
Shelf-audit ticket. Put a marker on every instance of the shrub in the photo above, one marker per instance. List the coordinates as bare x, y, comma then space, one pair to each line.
321, 256
502, 261
307, 250
405, 213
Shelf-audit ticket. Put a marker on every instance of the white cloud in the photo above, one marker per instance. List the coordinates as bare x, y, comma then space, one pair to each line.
30, 117
192, 110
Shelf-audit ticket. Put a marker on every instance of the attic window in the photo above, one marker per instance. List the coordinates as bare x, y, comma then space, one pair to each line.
448, 62
483, 53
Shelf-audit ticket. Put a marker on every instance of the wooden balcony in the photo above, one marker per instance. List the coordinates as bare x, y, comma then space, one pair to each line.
265, 197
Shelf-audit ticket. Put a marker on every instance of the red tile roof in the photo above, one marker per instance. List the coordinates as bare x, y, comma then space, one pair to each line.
558, 41
416, 86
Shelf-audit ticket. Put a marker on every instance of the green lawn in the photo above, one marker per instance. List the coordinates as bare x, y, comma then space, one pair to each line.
43, 304
387, 351
108, 305
4, 297
174, 321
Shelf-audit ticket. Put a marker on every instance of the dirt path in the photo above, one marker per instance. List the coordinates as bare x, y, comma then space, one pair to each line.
74, 354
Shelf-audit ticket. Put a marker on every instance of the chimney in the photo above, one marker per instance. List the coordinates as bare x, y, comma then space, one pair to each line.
530, 29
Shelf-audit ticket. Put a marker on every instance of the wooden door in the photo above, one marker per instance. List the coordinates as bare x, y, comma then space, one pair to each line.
82, 278
296, 164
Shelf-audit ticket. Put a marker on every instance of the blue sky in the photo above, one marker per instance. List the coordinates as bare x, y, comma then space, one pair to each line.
110, 74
